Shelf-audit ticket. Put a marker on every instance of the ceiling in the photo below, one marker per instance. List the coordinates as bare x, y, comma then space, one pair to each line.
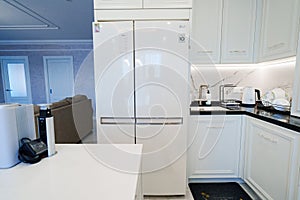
46, 19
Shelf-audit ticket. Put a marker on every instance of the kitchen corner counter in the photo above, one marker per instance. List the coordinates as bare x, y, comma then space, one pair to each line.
277, 118
77, 171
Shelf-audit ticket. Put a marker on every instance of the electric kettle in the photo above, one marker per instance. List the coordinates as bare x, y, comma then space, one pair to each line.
249, 96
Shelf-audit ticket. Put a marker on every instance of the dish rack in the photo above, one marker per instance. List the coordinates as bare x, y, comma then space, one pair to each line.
275, 108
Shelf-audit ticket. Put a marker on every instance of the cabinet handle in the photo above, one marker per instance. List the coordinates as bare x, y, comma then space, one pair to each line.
273, 140
238, 51
276, 46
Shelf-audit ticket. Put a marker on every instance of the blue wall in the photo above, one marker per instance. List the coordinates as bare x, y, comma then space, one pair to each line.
82, 61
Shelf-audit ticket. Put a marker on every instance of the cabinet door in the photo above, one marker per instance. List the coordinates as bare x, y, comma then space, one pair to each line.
238, 30
280, 22
271, 160
117, 4
296, 88
206, 31
214, 149
167, 3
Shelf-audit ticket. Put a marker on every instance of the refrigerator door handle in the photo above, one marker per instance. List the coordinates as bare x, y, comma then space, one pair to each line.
117, 120
159, 121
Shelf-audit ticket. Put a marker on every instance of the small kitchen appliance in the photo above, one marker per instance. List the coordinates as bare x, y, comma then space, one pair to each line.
203, 93
250, 96
46, 128
16, 122
203, 89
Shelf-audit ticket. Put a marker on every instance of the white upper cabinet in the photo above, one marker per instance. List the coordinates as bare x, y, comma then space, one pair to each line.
223, 31
206, 31
117, 4
296, 88
167, 3
238, 31
279, 31
137, 4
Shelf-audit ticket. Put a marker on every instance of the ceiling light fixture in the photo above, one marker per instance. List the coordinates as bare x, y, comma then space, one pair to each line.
41, 22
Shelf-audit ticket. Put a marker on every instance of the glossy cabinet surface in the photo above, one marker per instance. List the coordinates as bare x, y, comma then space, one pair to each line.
271, 160
279, 30
114, 78
137, 4
214, 146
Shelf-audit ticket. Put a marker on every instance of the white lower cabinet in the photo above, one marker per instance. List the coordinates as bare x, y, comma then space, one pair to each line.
271, 160
214, 146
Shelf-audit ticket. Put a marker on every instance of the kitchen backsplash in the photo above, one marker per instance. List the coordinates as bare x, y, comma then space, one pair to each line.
262, 76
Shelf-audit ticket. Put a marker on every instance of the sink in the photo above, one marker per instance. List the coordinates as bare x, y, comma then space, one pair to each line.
208, 108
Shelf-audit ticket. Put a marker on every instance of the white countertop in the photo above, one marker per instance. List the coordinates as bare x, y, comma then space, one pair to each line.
77, 171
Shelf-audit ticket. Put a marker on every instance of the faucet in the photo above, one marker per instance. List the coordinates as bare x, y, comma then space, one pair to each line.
222, 92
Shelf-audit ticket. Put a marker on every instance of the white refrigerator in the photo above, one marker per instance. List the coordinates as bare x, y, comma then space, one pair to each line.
141, 82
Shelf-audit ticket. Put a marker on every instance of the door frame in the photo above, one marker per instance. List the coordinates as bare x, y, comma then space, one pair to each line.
27, 76
45, 58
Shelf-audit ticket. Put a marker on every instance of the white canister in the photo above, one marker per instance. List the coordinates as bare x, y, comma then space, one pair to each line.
9, 140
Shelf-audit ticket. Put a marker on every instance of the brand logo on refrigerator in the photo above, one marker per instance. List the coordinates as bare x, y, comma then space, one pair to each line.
181, 38
96, 27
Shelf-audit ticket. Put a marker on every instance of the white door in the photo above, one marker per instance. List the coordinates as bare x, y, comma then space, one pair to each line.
161, 90
161, 68
16, 79
114, 81
59, 77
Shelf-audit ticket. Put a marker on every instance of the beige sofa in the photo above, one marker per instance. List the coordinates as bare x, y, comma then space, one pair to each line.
73, 119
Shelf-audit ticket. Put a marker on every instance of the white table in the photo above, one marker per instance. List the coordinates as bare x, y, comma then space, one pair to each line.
76, 172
